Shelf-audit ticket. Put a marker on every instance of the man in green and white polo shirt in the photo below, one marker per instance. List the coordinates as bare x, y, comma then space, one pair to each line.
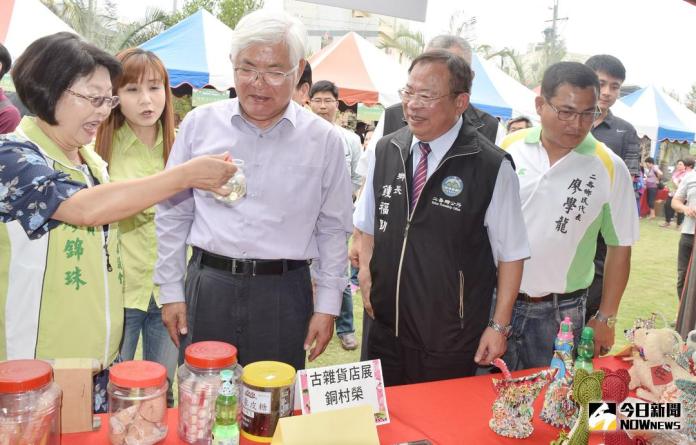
572, 187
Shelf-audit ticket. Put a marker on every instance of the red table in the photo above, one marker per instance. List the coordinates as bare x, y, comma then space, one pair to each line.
447, 412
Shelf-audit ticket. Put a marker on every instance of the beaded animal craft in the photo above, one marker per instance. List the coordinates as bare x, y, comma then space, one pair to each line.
512, 409
586, 388
615, 389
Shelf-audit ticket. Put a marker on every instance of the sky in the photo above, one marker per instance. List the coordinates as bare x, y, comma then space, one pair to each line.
655, 39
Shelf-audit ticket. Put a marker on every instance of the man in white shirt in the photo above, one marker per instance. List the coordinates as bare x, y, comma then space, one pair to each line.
248, 281
572, 187
323, 100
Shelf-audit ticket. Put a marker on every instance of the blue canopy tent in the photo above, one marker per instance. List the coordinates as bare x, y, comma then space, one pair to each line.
196, 51
660, 117
498, 94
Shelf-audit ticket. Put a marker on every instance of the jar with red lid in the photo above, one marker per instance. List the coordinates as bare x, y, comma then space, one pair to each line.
137, 403
29, 403
199, 381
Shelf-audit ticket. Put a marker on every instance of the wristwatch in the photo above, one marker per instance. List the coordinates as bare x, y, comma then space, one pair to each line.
499, 328
610, 320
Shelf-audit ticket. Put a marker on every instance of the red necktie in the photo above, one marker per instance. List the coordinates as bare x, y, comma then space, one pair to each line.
421, 174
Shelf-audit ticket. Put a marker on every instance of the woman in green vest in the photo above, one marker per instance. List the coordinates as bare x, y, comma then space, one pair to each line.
61, 274
135, 141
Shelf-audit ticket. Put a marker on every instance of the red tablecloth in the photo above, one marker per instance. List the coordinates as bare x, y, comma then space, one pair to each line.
448, 412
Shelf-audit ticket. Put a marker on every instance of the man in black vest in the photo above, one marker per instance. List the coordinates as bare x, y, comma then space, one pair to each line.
440, 210
393, 119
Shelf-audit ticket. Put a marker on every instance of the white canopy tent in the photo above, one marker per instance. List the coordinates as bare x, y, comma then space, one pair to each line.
23, 21
660, 117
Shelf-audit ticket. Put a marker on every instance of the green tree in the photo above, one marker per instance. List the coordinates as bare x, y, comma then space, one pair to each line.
191, 7
232, 11
228, 12
691, 99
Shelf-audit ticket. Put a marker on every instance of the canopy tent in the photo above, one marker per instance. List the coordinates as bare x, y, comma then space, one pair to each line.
23, 21
361, 71
196, 51
498, 94
660, 117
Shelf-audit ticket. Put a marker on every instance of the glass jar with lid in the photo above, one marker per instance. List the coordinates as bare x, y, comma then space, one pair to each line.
199, 381
137, 403
29, 403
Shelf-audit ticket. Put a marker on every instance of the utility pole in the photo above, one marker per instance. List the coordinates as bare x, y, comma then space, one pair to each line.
551, 34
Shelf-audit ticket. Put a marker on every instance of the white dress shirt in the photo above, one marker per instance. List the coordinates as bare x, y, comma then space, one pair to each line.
298, 203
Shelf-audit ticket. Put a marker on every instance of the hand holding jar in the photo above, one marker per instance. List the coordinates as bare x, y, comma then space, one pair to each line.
236, 185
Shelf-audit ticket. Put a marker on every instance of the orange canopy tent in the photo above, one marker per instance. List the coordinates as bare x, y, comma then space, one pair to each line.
361, 71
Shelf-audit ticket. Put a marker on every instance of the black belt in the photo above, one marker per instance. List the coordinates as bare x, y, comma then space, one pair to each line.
249, 266
546, 298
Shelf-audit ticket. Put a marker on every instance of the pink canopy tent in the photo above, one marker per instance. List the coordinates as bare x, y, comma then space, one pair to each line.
361, 71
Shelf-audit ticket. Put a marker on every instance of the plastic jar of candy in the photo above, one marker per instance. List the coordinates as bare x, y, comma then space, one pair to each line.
29, 403
267, 395
137, 403
199, 381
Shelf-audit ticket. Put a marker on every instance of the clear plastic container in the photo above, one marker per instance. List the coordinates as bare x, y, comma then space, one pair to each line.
29, 403
236, 185
199, 381
137, 403
267, 395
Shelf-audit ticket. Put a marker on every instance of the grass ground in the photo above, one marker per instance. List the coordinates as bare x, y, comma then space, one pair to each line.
651, 288
652, 285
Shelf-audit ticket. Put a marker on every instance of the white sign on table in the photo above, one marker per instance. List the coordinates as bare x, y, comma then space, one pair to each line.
343, 386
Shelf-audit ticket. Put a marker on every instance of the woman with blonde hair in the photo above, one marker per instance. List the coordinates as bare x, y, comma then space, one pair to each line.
135, 140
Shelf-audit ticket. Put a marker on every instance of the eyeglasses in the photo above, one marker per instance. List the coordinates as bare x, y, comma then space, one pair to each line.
97, 101
567, 115
325, 101
424, 99
274, 78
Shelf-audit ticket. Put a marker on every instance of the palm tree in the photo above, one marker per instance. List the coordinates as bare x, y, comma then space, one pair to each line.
461, 25
518, 69
100, 25
408, 43
140, 31
506, 54
84, 17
